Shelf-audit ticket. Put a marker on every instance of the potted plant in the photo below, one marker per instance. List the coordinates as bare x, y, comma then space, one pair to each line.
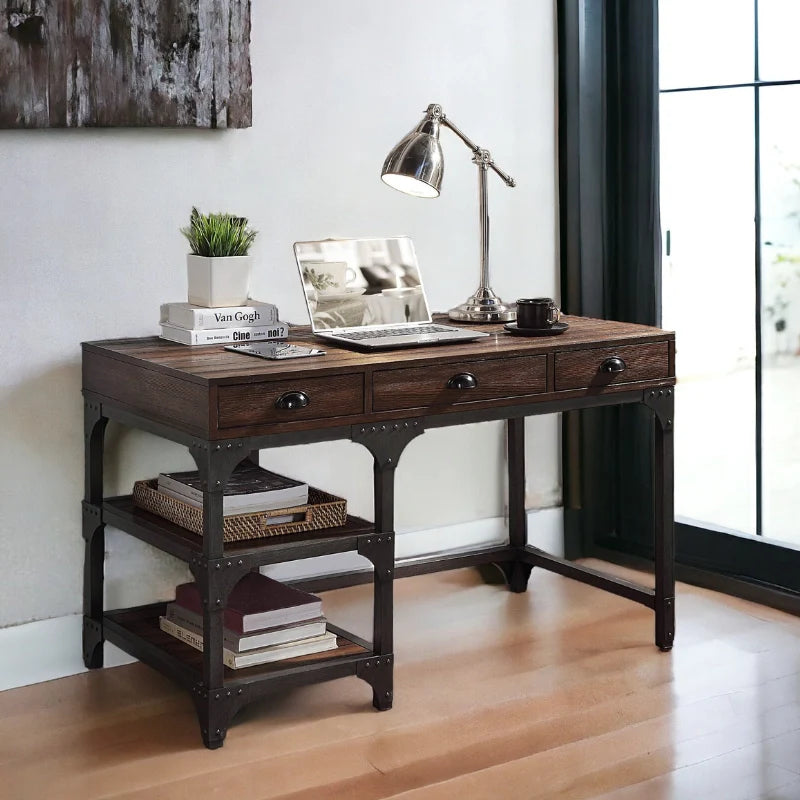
218, 265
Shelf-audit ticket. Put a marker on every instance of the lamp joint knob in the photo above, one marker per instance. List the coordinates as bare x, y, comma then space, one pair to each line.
434, 111
482, 157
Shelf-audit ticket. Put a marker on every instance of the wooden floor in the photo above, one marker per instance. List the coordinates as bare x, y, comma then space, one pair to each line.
558, 693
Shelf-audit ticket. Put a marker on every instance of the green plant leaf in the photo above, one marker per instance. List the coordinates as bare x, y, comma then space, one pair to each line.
218, 235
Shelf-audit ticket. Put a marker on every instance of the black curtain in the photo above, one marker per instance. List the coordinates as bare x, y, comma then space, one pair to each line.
610, 248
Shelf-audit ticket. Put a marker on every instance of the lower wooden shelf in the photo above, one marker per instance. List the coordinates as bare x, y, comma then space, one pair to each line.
137, 631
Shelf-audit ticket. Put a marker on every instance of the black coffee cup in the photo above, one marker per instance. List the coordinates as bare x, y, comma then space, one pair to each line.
537, 312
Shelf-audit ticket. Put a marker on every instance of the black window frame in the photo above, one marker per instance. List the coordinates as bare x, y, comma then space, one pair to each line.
611, 268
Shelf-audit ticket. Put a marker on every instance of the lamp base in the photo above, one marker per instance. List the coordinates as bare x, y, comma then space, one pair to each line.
483, 306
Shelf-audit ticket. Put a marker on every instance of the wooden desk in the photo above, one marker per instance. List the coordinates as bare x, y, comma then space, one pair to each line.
226, 407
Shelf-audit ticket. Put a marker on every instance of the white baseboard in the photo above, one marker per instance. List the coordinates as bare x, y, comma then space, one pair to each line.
46, 650
545, 530
50, 649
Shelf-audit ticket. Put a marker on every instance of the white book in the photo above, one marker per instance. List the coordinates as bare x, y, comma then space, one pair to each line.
250, 488
251, 509
241, 642
196, 318
279, 330
264, 655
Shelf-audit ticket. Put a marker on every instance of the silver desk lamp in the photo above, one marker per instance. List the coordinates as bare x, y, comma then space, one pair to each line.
415, 166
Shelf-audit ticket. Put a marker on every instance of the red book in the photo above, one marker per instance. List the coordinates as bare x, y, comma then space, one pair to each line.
256, 602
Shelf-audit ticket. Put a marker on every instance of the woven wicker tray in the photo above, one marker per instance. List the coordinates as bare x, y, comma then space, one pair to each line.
323, 511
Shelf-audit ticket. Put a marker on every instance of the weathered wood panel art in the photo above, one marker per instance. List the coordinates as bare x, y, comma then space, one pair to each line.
76, 63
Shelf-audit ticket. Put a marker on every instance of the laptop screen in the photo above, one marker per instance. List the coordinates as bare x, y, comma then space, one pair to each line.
351, 283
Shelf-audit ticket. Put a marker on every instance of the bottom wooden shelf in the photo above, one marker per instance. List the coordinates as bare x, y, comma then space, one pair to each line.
137, 631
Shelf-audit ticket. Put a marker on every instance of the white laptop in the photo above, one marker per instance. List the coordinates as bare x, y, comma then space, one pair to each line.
368, 293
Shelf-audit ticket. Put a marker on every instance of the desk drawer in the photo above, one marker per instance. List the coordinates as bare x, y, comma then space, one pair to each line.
303, 398
581, 369
440, 385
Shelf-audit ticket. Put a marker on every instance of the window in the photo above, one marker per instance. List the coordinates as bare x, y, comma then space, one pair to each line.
730, 199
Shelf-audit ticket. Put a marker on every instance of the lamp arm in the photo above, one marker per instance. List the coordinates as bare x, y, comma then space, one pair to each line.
435, 111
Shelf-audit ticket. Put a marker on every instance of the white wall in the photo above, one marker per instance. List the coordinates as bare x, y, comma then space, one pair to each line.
89, 248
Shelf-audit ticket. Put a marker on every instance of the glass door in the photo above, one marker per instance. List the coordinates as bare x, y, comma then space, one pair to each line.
708, 299
780, 316
730, 215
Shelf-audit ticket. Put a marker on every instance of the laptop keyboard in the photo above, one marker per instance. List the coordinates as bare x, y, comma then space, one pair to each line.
420, 330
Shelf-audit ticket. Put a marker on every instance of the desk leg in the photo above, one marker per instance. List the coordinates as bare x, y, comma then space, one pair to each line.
383, 586
94, 427
386, 443
383, 623
517, 572
214, 704
662, 401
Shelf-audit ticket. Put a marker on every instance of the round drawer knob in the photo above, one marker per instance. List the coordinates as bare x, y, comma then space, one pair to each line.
464, 380
291, 400
613, 365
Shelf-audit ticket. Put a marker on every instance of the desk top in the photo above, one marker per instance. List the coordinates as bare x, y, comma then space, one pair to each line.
214, 365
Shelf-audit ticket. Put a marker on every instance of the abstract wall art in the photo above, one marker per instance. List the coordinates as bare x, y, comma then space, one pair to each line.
128, 63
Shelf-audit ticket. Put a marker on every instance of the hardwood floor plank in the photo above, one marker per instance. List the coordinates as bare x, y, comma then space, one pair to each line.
739, 775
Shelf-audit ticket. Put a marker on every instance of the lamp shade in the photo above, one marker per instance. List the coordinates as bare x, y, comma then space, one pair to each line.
416, 165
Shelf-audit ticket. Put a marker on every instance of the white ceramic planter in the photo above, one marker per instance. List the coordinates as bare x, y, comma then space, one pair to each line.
215, 282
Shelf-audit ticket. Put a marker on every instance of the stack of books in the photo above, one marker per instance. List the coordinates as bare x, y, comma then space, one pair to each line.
196, 325
264, 621
250, 489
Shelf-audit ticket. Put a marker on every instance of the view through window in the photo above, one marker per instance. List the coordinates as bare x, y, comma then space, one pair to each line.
730, 216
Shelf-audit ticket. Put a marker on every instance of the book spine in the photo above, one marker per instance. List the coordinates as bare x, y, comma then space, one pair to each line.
186, 618
194, 624
179, 489
243, 504
319, 645
173, 629
187, 596
242, 644
228, 510
228, 658
262, 499
280, 330
213, 318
